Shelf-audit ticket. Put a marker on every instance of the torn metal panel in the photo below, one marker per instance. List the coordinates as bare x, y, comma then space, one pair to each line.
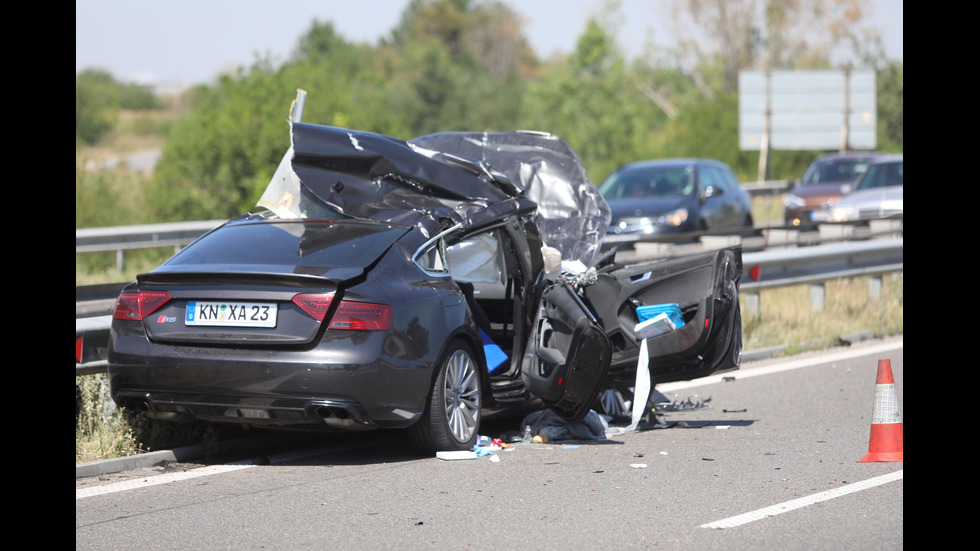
572, 216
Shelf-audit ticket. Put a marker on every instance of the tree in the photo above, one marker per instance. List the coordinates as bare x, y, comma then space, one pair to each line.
891, 107
98, 99
458, 65
591, 100
96, 105
738, 35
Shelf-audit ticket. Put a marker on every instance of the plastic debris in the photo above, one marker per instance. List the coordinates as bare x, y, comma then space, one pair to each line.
454, 455
638, 465
685, 405
481, 451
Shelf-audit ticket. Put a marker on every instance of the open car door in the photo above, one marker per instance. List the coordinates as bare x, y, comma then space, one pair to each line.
566, 362
705, 288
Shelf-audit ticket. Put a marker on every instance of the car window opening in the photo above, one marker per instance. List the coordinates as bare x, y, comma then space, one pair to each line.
481, 268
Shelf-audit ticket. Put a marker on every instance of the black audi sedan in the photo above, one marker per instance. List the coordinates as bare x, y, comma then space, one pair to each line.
413, 285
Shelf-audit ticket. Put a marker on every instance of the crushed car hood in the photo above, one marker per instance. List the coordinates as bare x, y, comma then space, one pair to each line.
439, 180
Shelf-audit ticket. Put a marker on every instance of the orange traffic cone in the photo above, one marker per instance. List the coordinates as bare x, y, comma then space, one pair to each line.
886, 420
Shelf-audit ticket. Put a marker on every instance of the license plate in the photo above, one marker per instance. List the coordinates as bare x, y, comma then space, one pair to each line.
231, 314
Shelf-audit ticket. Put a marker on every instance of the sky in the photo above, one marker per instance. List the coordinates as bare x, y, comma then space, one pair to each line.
174, 44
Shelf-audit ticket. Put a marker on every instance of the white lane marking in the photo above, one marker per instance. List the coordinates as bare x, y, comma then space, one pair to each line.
784, 366
788, 506
206, 471
158, 479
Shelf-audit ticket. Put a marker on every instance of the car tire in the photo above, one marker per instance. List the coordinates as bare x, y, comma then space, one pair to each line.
451, 419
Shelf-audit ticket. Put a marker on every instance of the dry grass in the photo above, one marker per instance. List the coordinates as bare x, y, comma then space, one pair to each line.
787, 316
767, 209
101, 431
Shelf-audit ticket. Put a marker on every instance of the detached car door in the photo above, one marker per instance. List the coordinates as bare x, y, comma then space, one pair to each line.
566, 362
705, 288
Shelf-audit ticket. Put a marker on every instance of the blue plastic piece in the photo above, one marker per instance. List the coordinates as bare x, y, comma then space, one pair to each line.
495, 356
672, 309
481, 452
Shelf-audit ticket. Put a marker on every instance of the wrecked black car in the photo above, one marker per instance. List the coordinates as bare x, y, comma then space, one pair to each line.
412, 285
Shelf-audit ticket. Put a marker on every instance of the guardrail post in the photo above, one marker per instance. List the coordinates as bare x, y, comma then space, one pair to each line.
874, 288
655, 250
835, 232
120, 260
886, 229
780, 238
715, 242
752, 303
817, 295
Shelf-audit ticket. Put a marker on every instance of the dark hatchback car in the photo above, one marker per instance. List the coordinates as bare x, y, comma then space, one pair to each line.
673, 196
828, 178
412, 285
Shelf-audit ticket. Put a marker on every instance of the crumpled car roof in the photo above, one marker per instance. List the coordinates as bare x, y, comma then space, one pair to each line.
572, 215
441, 179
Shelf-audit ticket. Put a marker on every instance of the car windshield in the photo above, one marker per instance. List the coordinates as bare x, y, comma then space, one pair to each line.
883, 175
668, 181
822, 172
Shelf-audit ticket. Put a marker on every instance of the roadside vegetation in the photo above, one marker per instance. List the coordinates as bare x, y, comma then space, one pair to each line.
465, 65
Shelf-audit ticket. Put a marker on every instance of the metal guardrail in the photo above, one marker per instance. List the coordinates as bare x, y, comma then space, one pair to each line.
176, 234
120, 239
763, 269
768, 187
781, 267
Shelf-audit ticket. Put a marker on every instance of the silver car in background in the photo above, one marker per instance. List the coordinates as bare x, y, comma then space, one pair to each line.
877, 194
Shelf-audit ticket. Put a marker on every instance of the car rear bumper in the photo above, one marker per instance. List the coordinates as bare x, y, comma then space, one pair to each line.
349, 387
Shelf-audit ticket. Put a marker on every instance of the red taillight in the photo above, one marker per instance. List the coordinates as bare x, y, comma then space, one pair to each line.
314, 305
134, 306
361, 315
364, 316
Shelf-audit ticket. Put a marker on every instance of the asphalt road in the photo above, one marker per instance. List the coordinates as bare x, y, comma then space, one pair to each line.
770, 463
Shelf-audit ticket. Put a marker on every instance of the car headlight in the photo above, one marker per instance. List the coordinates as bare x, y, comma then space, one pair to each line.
645, 224
673, 218
842, 214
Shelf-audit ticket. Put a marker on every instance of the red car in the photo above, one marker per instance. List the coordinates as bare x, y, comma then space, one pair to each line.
826, 180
